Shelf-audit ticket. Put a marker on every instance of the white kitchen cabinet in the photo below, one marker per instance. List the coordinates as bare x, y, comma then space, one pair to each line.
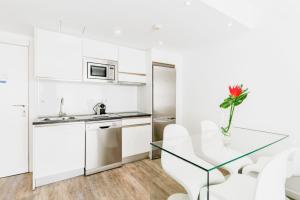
57, 56
100, 50
132, 61
132, 78
136, 136
132, 65
58, 152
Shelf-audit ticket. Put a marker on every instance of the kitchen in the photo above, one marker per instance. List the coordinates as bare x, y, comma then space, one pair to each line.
87, 89
89, 110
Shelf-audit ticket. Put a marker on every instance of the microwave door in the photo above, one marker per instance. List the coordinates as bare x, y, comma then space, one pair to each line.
97, 71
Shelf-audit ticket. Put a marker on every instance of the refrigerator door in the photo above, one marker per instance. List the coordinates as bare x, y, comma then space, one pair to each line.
159, 126
164, 92
164, 101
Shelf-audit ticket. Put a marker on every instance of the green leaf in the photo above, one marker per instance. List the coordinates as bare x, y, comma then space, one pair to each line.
228, 99
242, 96
225, 104
240, 99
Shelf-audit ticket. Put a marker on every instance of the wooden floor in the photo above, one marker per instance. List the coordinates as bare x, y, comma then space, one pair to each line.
142, 180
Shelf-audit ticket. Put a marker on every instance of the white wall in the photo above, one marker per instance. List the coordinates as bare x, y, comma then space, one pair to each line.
80, 98
266, 59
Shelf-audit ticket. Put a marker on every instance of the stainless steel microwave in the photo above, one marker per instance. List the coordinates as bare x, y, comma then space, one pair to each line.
104, 70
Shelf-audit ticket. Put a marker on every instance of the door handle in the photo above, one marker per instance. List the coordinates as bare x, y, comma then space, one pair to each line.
20, 105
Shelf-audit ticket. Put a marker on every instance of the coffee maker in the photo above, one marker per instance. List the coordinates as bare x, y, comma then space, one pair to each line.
100, 109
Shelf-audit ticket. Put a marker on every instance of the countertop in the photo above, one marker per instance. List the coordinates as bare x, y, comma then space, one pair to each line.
88, 118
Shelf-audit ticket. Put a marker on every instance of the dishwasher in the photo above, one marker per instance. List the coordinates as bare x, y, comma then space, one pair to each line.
103, 149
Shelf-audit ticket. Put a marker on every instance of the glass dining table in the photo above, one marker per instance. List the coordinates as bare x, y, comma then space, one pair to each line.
247, 143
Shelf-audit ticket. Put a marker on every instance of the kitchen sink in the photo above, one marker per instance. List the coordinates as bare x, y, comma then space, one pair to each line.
92, 117
58, 118
99, 117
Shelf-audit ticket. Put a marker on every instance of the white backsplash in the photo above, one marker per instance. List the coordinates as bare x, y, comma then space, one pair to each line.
79, 98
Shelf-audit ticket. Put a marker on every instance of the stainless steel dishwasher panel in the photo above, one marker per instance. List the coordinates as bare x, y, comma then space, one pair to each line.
103, 146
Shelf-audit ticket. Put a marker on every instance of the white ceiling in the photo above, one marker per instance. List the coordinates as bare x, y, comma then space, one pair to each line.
183, 26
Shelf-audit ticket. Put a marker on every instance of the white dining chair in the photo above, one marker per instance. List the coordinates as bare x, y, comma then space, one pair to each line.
270, 184
293, 174
254, 169
176, 139
214, 150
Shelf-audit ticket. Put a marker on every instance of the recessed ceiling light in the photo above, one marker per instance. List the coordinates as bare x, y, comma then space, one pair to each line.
157, 27
187, 3
117, 32
160, 43
230, 24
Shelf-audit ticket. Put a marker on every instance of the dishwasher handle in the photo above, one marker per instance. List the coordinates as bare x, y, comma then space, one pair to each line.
104, 127
110, 125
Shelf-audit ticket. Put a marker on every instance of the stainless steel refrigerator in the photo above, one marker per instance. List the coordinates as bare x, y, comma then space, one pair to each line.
164, 100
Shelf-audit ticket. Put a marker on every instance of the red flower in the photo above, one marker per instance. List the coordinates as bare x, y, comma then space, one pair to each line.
235, 91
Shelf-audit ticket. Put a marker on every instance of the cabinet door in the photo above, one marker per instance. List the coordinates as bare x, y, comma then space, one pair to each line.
132, 78
132, 61
58, 149
101, 50
58, 56
136, 140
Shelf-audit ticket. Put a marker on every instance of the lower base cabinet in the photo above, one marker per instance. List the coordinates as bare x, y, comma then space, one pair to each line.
59, 149
136, 137
58, 152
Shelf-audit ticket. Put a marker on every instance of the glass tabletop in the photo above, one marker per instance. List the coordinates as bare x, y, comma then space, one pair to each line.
219, 151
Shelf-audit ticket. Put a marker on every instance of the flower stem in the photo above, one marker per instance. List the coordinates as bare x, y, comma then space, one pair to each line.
225, 130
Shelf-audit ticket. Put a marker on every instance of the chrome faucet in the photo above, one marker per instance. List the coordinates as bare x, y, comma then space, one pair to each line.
61, 113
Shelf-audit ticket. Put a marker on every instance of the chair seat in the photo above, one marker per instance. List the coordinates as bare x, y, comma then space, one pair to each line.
190, 177
256, 168
237, 187
293, 187
219, 155
216, 152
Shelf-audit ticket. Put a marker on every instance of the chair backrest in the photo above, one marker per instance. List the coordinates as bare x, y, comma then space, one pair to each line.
176, 139
210, 136
271, 181
175, 134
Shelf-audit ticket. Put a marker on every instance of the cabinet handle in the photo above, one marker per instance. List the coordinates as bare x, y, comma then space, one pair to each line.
136, 125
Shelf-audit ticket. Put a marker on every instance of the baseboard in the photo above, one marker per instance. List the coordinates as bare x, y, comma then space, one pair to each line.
101, 169
134, 158
58, 177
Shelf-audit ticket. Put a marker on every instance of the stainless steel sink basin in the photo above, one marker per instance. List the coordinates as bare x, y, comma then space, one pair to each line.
99, 117
58, 118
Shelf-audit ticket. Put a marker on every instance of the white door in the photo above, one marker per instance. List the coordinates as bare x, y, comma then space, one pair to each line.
14, 110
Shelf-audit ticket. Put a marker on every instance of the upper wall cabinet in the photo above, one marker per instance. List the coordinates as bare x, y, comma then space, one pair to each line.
101, 50
57, 56
132, 65
132, 61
